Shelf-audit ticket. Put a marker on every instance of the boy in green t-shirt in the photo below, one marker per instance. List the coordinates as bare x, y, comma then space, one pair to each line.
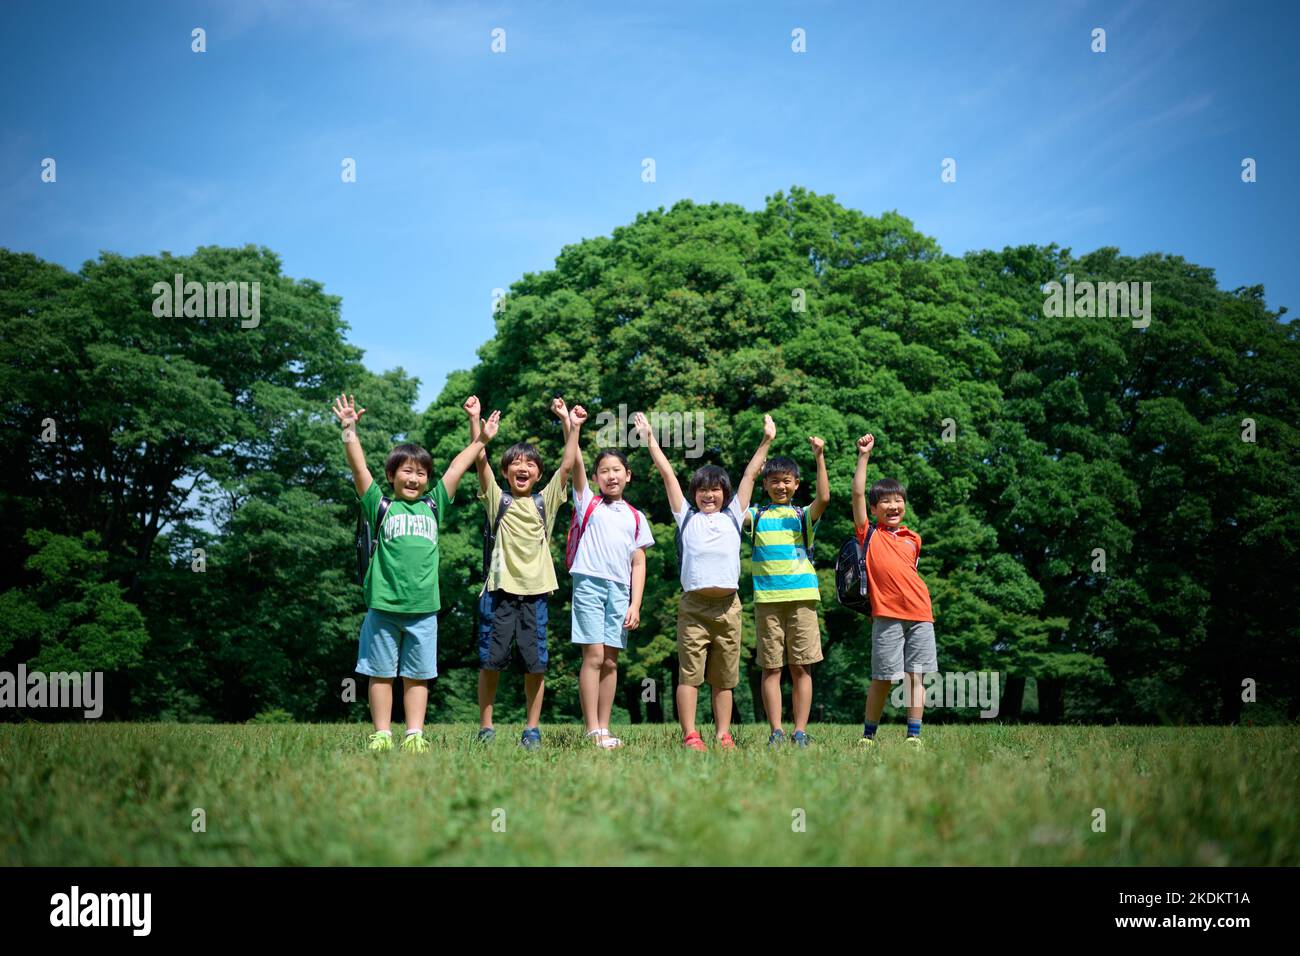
400, 631
519, 575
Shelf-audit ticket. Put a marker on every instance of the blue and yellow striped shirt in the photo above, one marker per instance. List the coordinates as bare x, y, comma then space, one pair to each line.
782, 569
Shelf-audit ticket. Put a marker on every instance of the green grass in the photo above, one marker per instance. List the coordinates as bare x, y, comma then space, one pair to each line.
113, 794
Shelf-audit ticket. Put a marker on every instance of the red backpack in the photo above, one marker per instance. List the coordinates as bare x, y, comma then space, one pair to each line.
576, 528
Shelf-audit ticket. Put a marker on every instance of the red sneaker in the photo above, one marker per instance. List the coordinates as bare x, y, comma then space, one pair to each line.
725, 742
693, 741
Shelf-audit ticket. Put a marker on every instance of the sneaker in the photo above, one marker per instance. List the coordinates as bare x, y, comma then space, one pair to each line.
777, 738
914, 741
800, 739
531, 739
486, 735
380, 743
725, 742
867, 742
693, 741
415, 743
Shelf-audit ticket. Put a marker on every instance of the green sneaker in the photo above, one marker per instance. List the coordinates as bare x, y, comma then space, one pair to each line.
380, 743
915, 742
415, 743
867, 742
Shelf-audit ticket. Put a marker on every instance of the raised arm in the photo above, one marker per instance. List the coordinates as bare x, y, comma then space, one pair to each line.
745, 492
561, 411
823, 498
632, 620
671, 485
461, 463
345, 408
579, 468
472, 410
860, 512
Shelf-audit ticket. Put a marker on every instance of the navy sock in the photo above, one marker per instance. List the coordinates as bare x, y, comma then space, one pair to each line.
914, 726
869, 729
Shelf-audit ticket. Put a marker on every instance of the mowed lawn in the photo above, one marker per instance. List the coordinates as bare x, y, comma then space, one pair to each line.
112, 794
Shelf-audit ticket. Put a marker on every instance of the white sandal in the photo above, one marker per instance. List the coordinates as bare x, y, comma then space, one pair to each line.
603, 739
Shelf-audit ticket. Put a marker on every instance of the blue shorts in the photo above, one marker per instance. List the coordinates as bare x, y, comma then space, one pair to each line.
599, 607
506, 621
394, 643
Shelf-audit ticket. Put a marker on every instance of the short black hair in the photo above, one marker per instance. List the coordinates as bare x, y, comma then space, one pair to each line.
885, 487
780, 466
521, 449
710, 476
611, 452
401, 454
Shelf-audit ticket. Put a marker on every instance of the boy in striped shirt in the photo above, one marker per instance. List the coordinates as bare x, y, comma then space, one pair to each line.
785, 583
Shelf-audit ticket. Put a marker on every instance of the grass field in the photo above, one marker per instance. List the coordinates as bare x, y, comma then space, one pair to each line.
112, 794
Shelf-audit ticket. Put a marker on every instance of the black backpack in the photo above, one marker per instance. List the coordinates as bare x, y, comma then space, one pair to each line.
367, 540
803, 526
851, 586
490, 528
691, 512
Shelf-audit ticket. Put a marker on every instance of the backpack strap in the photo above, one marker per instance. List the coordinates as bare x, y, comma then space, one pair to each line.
502, 508
586, 516
753, 528
803, 526
433, 506
384, 503
636, 522
540, 504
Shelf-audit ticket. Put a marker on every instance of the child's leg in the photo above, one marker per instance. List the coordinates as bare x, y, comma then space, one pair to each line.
487, 695
876, 697
415, 698
920, 658
722, 700
608, 684
381, 702
801, 694
534, 684
772, 695
593, 660
687, 699
915, 696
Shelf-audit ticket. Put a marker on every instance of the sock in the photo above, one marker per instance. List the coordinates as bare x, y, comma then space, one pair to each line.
914, 726
869, 729
386, 733
412, 733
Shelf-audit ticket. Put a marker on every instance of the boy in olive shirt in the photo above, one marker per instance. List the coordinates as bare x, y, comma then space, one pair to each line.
400, 631
520, 574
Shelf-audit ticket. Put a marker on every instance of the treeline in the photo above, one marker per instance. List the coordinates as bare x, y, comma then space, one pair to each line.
1110, 512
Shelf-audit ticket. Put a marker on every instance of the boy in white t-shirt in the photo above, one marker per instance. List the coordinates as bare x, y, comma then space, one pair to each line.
709, 616
608, 568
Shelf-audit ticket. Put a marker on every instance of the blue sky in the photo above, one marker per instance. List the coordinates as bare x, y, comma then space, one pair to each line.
474, 168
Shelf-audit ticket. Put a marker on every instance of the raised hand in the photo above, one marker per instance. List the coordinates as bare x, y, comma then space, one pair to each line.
818, 445
472, 407
769, 428
866, 443
345, 408
490, 426
642, 427
578, 415
560, 410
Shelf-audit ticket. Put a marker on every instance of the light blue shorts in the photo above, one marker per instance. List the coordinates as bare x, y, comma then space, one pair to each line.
599, 606
399, 643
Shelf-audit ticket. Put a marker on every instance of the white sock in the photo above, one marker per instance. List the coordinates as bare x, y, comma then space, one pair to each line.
386, 733
412, 733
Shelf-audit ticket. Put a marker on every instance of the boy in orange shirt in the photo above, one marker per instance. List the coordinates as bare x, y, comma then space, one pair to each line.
902, 626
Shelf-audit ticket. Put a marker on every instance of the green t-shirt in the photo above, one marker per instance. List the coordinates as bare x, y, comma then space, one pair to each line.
403, 575
521, 559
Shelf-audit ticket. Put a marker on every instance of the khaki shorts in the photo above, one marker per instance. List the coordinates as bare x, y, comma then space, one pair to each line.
787, 633
708, 641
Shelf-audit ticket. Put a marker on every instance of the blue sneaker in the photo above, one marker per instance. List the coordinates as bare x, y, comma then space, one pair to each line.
800, 739
531, 739
777, 738
486, 735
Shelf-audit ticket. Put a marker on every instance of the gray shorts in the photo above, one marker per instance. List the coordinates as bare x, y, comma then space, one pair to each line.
902, 646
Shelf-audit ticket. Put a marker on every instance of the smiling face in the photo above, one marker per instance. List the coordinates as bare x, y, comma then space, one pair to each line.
709, 500
521, 474
611, 477
780, 487
410, 480
889, 510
